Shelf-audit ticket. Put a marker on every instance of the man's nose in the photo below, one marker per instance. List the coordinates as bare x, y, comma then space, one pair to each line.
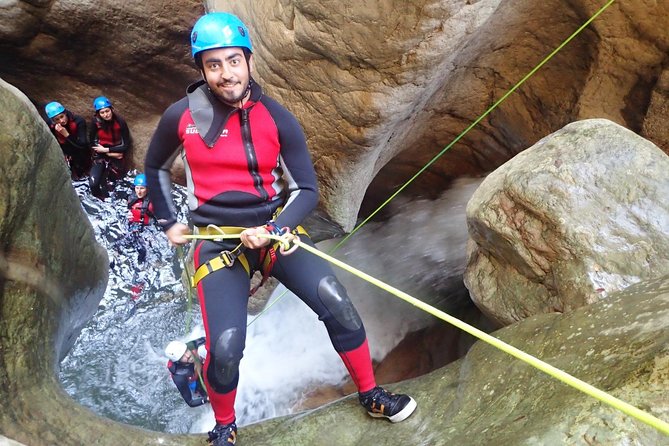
226, 72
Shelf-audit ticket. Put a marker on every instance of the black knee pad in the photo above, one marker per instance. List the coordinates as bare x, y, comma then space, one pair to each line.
334, 297
223, 370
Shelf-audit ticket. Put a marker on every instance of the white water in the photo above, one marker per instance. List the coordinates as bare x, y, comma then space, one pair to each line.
117, 366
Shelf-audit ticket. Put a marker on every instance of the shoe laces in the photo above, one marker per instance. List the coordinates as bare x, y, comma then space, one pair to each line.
378, 395
221, 431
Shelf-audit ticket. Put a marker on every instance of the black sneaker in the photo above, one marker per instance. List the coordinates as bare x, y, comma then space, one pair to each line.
223, 434
383, 404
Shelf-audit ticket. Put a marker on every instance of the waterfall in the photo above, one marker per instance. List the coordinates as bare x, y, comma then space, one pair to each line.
117, 367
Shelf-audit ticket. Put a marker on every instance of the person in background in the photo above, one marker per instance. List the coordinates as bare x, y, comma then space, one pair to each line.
140, 209
185, 366
249, 172
110, 139
140, 214
70, 132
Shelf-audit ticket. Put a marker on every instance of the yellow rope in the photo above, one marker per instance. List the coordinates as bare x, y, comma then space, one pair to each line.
556, 373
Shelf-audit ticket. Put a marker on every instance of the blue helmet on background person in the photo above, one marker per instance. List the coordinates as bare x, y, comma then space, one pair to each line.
101, 102
53, 109
140, 180
219, 30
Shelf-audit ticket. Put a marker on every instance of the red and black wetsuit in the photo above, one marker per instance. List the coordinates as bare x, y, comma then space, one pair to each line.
241, 165
141, 210
140, 213
115, 135
186, 379
75, 147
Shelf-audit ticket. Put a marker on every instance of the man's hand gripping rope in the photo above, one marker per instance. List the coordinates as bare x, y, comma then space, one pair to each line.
253, 238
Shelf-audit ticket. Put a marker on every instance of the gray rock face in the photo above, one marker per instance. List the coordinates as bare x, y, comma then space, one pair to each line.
563, 224
489, 398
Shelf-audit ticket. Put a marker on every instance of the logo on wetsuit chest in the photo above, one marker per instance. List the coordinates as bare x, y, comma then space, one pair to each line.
192, 130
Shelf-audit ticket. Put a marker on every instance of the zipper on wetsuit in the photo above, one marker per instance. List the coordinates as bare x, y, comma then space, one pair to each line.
251, 154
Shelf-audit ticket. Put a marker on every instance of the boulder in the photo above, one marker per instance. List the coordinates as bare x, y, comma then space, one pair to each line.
579, 215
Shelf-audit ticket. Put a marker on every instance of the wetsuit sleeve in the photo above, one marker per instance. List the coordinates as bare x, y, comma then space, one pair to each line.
181, 381
199, 341
80, 140
163, 149
93, 133
125, 137
298, 169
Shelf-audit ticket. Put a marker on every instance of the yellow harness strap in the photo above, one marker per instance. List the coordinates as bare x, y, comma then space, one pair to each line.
227, 258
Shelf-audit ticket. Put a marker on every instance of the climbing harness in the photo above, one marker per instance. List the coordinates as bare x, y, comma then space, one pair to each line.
227, 258
550, 370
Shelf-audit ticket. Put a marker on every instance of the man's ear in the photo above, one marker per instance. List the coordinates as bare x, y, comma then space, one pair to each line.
251, 64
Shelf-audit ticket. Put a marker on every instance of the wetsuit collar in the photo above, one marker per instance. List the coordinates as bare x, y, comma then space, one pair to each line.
210, 114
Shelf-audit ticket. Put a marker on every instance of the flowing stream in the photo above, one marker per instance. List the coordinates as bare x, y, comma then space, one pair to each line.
117, 367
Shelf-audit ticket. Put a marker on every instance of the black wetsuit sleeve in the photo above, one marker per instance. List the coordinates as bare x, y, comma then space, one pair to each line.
181, 381
163, 149
298, 169
199, 341
80, 140
124, 145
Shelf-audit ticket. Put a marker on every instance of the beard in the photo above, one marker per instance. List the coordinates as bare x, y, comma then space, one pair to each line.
229, 99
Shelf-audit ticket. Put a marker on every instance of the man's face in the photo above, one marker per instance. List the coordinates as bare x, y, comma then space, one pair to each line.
60, 118
187, 357
140, 191
227, 73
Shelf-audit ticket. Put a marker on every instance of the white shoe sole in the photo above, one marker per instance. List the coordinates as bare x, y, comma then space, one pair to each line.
401, 415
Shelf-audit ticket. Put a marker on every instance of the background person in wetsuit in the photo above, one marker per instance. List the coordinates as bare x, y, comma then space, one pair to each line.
248, 167
110, 139
140, 214
185, 366
70, 132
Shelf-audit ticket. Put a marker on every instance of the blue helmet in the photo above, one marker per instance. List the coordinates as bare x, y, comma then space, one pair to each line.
140, 180
53, 109
101, 102
219, 30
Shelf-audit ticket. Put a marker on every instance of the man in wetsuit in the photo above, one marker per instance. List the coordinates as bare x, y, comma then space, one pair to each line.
185, 366
70, 132
248, 172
